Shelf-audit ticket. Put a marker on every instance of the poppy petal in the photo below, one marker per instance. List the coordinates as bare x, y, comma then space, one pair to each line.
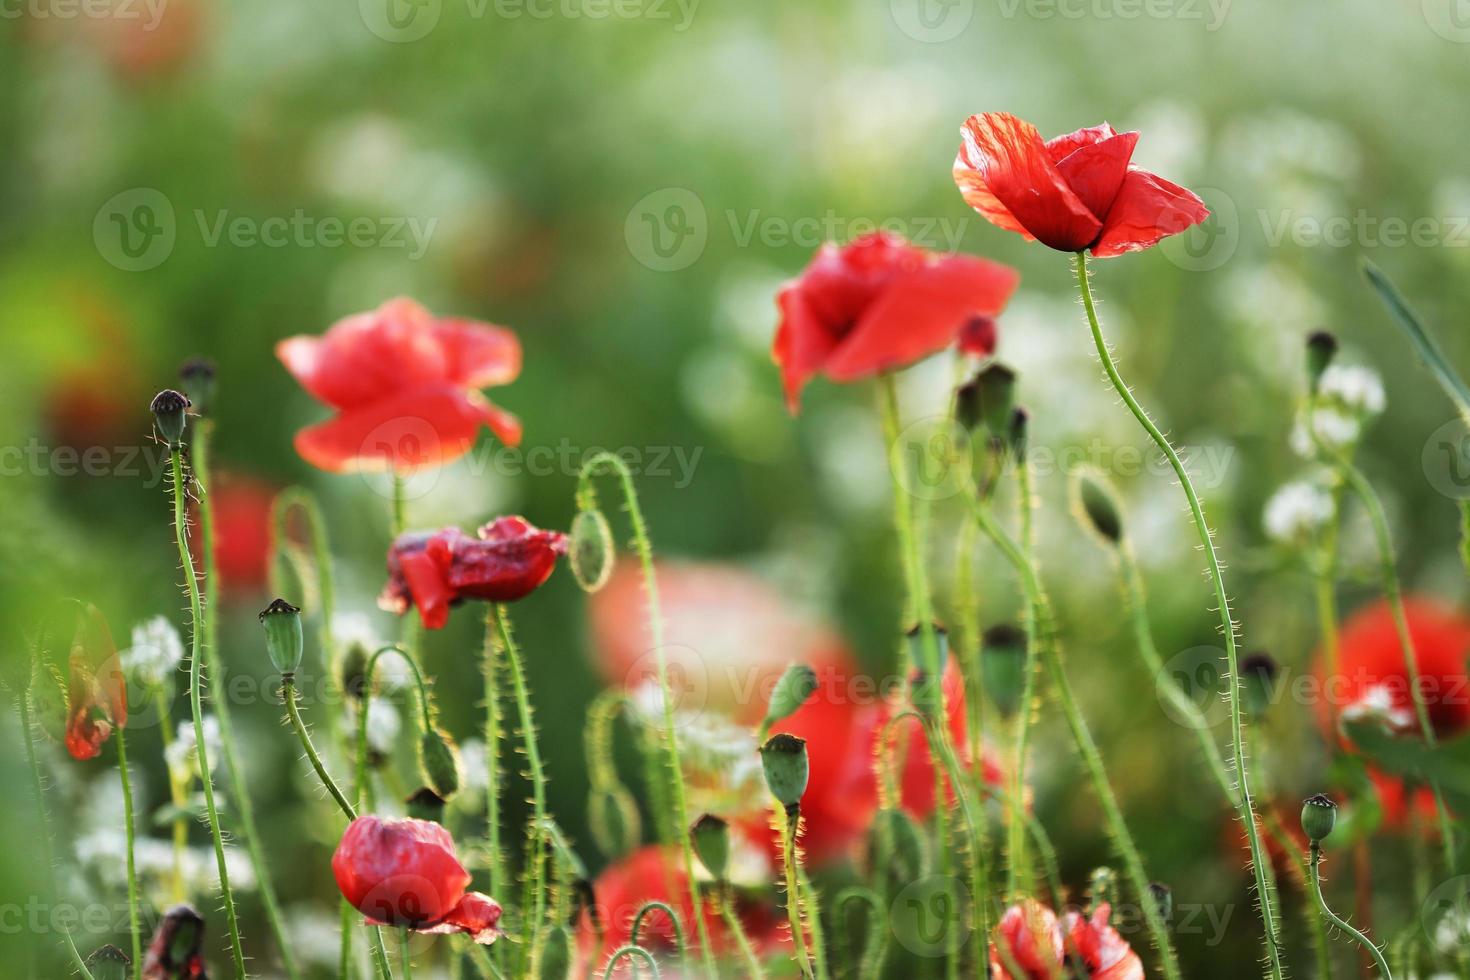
478, 355
1095, 172
368, 356
920, 313
802, 343
430, 592
1006, 173
1061, 147
477, 915
1148, 208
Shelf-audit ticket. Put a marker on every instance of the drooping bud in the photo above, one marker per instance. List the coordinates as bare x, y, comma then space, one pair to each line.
908, 858
1321, 349
1095, 505
174, 951
986, 400
1163, 898
790, 693
929, 657
1258, 672
590, 549
1319, 816
1016, 433
613, 818
426, 805
1003, 667
169, 416
785, 762
352, 671
1102, 888
711, 839
283, 639
109, 963
439, 760
197, 376
556, 953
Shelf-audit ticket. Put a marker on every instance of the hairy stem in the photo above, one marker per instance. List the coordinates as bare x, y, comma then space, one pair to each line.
1316, 885
127, 789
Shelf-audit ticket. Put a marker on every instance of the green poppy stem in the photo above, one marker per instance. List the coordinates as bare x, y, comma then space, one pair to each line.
1315, 881
127, 789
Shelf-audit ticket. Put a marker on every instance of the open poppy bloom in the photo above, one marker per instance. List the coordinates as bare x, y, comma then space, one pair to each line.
404, 385
95, 689
508, 560
1074, 192
1039, 946
879, 303
406, 873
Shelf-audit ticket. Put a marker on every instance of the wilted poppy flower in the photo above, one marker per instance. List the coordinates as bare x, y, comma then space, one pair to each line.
508, 560
1073, 192
174, 952
1039, 946
92, 698
879, 303
404, 386
406, 873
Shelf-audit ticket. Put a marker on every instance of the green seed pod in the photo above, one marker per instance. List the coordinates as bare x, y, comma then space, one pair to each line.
283, 639
711, 839
919, 653
556, 954
1258, 673
986, 399
197, 376
426, 805
1016, 433
169, 416
790, 693
785, 762
1163, 898
909, 856
1003, 668
439, 761
1103, 888
591, 550
1319, 816
1095, 506
352, 671
613, 819
109, 963
1321, 349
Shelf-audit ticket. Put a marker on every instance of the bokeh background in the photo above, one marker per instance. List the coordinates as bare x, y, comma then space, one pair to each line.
626, 187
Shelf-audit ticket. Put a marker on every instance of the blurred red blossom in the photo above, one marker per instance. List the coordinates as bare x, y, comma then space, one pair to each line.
96, 690
242, 532
1039, 946
509, 559
1074, 192
879, 303
406, 873
404, 384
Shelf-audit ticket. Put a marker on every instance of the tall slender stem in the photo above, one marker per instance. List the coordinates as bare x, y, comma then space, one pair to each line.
732, 923
127, 789
1245, 807
1315, 880
1018, 868
234, 772
491, 668
788, 819
196, 699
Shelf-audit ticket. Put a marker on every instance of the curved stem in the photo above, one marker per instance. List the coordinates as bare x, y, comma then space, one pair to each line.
635, 929
293, 711
1244, 807
1315, 881
623, 953
644, 547
874, 950
127, 788
196, 699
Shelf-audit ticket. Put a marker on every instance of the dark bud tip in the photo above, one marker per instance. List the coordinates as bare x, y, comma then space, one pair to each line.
710, 836
1016, 433
197, 375
426, 805
169, 416
1003, 667
278, 607
1163, 898
1258, 673
283, 637
985, 400
1319, 816
1321, 349
929, 658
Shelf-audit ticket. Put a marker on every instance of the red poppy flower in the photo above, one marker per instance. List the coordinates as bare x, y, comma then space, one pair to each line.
879, 303
242, 532
654, 873
406, 873
404, 386
96, 691
1038, 945
508, 560
916, 782
1074, 192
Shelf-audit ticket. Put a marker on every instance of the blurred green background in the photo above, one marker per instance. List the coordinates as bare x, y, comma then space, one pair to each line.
518, 163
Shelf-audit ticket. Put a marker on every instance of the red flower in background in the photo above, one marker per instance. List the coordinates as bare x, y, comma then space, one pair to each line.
406, 873
96, 691
1039, 946
1074, 192
880, 303
242, 531
404, 386
174, 952
916, 782
508, 560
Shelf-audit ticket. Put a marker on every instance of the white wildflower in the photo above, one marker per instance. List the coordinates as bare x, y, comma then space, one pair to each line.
156, 652
1335, 429
1356, 388
383, 723
1377, 704
475, 763
1296, 512
182, 754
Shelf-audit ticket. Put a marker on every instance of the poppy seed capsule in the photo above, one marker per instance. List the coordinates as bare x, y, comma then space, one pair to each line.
613, 818
1095, 505
1003, 667
169, 416
711, 839
795, 685
197, 375
908, 857
352, 671
426, 805
986, 399
920, 654
1163, 898
785, 762
1258, 673
109, 963
556, 954
590, 550
1319, 816
439, 760
1321, 349
283, 639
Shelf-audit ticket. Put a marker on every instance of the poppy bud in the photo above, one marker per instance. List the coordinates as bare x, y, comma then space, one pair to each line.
283, 640
1003, 667
197, 375
613, 818
352, 671
590, 550
791, 691
908, 856
1258, 673
1319, 816
1016, 433
1163, 898
109, 963
168, 416
1103, 887
711, 839
1095, 505
439, 760
556, 954
918, 649
1321, 349
174, 951
426, 805
986, 399
784, 759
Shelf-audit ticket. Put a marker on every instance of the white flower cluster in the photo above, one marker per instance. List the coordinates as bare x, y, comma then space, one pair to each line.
104, 852
720, 759
1296, 512
156, 652
1348, 397
182, 753
383, 722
